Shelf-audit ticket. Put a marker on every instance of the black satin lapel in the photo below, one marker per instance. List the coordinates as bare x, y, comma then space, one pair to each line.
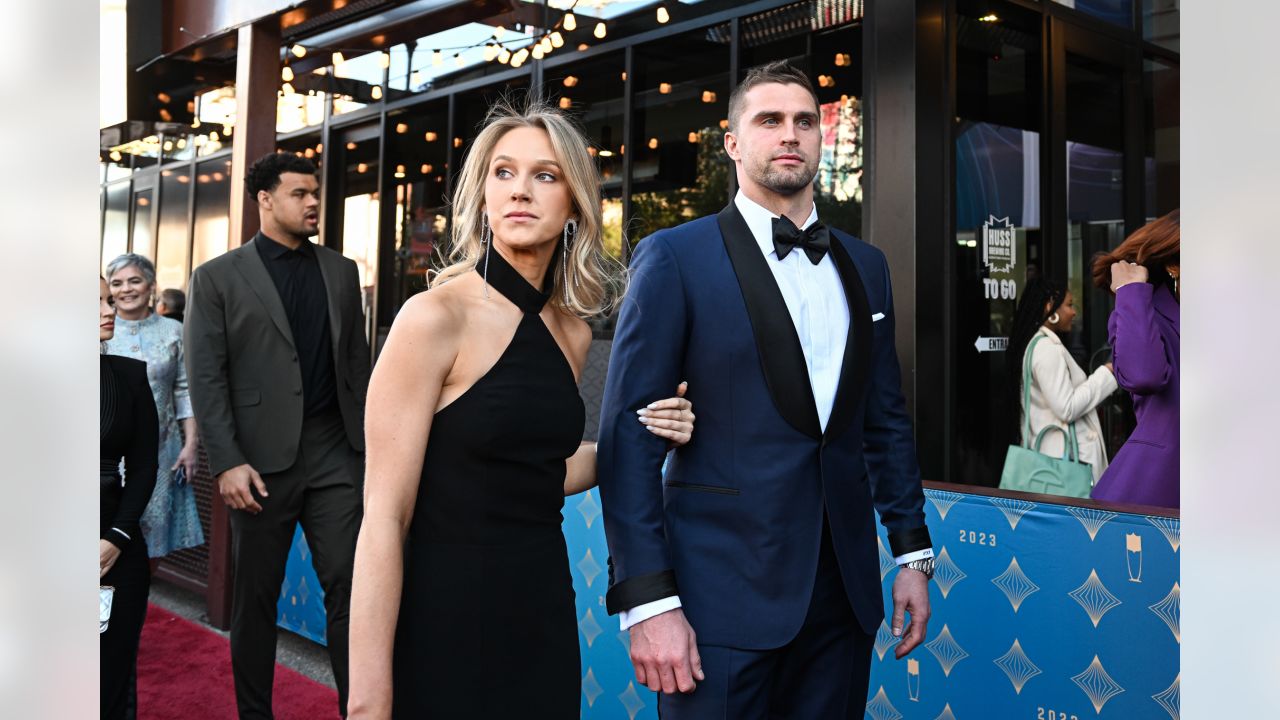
331, 271
250, 264
785, 371
856, 367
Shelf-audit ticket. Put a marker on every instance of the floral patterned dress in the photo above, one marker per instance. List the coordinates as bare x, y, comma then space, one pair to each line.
171, 521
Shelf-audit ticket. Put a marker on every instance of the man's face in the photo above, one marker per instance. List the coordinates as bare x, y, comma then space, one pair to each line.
778, 139
294, 204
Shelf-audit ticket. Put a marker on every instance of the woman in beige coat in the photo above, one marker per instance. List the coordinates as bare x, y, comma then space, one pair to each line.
1061, 392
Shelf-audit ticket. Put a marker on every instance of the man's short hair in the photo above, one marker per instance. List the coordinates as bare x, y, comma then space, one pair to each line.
778, 71
175, 301
265, 173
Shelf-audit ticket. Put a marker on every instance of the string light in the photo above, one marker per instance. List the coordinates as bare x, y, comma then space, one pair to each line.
385, 60
693, 137
843, 60
457, 142
653, 143
557, 40
163, 97
338, 59
490, 52
565, 103
504, 55
570, 22
458, 61
286, 73
351, 146
165, 115
431, 136
600, 30
402, 128
437, 58
520, 57
298, 51
708, 96
115, 156
399, 171
989, 18
545, 44
664, 88
287, 88
570, 81
537, 52
606, 153
582, 46
498, 32
361, 168
376, 92
426, 168
663, 15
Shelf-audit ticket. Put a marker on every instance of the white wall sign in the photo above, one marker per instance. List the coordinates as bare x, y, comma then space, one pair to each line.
999, 249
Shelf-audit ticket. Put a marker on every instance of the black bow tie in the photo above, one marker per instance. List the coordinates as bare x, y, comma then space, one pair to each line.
815, 240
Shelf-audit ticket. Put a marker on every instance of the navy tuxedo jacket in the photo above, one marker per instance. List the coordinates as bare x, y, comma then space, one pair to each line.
734, 527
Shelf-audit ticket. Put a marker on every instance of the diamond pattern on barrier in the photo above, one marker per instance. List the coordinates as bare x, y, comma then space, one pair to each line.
946, 714
1015, 584
1171, 698
304, 592
881, 709
304, 550
946, 573
589, 568
1170, 611
946, 650
1092, 519
589, 507
1013, 510
589, 627
1094, 597
1017, 666
631, 701
1097, 684
886, 560
943, 500
591, 687
1171, 528
885, 639
624, 638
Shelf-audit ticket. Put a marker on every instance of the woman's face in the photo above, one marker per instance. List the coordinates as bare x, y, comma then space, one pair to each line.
526, 195
106, 313
131, 291
1066, 314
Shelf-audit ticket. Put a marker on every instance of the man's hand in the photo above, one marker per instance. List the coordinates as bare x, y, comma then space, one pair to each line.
664, 652
910, 595
234, 484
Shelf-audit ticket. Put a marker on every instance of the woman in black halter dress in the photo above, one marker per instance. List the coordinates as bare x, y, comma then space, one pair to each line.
462, 600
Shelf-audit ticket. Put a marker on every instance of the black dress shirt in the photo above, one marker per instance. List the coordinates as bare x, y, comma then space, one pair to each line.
297, 277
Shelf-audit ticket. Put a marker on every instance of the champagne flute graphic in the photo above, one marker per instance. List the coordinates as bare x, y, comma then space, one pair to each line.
1133, 554
913, 680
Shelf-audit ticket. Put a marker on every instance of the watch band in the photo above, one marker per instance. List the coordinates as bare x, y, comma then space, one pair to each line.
924, 565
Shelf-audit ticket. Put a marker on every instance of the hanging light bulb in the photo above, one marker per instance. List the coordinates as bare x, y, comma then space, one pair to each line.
693, 137
182, 143
570, 22
498, 32
490, 52
708, 96
664, 88
504, 55
286, 73
600, 30
570, 80
319, 147
520, 57
376, 92
298, 51
437, 58
663, 15
653, 143
385, 60
165, 115
537, 52
116, 156
431, 136
362, 168
399, 171
426, 168
338, 59
458, 61
351, 146
402, 128
547, 47
557, 40
287, 88
565, 103
415, 78
457, 142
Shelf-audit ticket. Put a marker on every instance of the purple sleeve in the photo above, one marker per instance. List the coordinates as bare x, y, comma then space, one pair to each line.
1141, 357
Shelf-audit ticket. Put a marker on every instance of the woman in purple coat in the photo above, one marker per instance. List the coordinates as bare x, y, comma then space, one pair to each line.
1143, 274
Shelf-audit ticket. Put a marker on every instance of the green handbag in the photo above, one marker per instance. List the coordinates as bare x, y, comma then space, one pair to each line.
1028, 470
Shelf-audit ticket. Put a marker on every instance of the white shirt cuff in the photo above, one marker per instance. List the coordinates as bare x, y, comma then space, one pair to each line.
640, 613
917, 555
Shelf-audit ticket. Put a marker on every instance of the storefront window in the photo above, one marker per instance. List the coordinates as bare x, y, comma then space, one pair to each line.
418, 150
998, 242
353, 207
213, 211
173, 246
1116, 12
143, 206
1162, 133
1161, 23
681, 97
357, 82
115, 226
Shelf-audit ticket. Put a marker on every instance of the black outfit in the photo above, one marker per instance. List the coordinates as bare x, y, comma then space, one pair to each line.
278, 366
130, 430
487, 624
296, 274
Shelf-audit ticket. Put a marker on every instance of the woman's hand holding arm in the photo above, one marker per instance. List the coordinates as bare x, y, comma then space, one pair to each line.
671, 418
403, 392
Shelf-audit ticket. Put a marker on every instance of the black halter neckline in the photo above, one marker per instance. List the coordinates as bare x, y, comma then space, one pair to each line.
508, 281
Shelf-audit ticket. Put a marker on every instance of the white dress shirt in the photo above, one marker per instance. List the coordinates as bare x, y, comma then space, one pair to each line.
816, 301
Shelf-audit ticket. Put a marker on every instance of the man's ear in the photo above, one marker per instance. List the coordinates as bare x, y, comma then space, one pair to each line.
731, 145
264, 199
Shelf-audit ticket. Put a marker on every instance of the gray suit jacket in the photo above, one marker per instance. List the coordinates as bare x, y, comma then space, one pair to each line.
243, 370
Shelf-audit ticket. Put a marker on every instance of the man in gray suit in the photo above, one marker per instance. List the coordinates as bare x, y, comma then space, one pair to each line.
278, 365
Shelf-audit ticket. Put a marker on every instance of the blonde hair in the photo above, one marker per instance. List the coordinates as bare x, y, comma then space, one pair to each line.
593, 273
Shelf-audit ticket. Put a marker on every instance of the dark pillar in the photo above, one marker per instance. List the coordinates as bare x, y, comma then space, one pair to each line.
257, 81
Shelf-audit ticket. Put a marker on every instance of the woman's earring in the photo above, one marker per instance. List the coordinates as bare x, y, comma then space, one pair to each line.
1053, 319
570, 232
486, 241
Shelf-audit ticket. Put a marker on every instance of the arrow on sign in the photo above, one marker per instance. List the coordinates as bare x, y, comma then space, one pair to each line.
991, 344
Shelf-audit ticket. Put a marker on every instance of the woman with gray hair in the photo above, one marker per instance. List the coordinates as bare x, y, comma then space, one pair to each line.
171, 521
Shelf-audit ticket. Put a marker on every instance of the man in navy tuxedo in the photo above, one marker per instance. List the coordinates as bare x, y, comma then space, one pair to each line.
761, 535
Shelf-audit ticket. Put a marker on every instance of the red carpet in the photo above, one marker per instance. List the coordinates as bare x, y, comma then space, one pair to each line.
184, 672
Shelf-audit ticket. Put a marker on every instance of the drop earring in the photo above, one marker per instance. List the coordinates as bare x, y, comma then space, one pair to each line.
486, 242
570, 231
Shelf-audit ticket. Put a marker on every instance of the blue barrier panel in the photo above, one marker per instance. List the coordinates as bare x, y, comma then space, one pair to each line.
1040, 611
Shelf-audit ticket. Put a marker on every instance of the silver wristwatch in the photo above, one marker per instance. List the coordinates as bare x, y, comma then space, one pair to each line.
924, 565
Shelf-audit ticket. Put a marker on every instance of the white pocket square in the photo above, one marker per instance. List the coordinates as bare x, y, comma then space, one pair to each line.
877, 317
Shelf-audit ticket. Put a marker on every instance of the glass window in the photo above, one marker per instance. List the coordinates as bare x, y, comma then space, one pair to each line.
1161, 136
353, 208
173, 246
357, 81
681, 97
115, 225
1161, 23
212, 232
214, 126
142, 208
419, 153
998, 242
454, 55
1116, 12
178, 146
118, 163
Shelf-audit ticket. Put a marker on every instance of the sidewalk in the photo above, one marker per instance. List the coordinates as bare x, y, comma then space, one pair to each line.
294, 652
